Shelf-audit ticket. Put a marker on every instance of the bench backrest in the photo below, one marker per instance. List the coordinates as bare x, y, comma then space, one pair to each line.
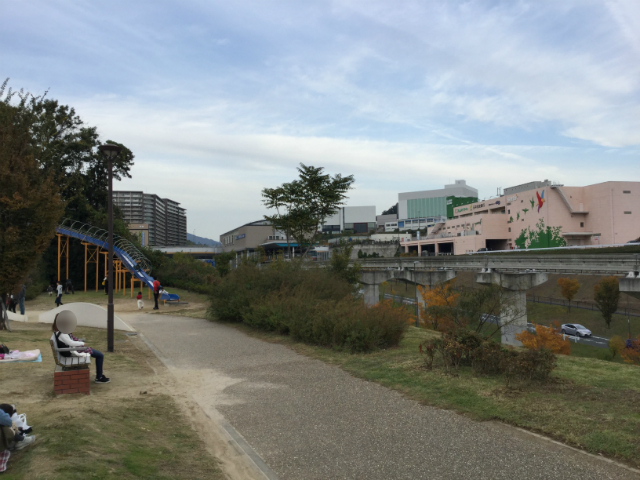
66, 362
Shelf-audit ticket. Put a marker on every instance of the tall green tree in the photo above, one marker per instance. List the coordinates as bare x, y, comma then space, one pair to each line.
30, 201
282, 201
306, 203
66, 150
606, 294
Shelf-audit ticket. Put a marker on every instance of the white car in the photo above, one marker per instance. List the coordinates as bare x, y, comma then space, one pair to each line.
575, 329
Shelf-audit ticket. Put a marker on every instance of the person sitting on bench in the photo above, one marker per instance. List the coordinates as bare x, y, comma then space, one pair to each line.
64, 323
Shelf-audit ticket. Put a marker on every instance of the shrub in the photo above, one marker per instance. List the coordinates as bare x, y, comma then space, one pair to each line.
616, 346
487, 357
183, 271
631, 352
545, 338
313, 305
529, 365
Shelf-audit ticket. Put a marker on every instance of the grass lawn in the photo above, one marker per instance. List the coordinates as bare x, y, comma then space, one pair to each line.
130, 428
590, 404
122, 303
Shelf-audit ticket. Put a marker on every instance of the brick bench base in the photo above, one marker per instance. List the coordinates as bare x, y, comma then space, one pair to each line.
71, 381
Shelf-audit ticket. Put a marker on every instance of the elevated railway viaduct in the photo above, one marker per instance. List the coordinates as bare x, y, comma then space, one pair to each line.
515, 273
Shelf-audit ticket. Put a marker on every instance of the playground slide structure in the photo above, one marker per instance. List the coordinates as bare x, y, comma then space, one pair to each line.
129, 255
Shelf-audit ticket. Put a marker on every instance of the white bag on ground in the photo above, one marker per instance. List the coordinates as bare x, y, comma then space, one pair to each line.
20, 421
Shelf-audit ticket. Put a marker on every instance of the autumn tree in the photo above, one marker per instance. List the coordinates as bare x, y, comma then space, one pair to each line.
607, 296
545, 337
616, 345
631, 352
568, 289
30, 203
440, 309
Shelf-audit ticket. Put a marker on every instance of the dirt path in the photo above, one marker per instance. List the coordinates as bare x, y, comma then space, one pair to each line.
310, 420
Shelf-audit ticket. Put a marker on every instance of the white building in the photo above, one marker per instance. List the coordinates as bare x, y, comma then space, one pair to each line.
428, 206
355, 219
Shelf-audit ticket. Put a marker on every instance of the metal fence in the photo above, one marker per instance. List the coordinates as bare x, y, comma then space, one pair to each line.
583, 304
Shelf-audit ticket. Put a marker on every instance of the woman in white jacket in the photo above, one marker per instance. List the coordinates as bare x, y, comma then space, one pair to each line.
66, 340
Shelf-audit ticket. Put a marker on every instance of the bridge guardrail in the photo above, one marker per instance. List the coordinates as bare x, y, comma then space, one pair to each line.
605, 264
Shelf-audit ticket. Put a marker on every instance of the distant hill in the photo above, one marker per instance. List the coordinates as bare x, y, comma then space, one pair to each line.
202, 240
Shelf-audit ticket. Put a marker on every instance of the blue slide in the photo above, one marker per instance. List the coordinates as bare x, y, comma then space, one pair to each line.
129, 255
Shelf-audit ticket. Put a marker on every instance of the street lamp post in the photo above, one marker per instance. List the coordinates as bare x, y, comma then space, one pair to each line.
110, 152
416, 299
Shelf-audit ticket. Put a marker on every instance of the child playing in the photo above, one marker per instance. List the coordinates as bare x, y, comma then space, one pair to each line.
140, 302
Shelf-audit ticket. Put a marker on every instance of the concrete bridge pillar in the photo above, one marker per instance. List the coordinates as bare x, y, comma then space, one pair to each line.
630, 285
371, 280
371, 295
513, 318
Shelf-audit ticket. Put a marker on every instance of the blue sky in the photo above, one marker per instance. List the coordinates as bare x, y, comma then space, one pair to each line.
220, 99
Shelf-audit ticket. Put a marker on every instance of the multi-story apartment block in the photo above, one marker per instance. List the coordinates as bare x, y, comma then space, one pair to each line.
165, 220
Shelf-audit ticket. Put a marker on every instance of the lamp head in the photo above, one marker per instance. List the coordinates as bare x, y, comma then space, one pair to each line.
110, 150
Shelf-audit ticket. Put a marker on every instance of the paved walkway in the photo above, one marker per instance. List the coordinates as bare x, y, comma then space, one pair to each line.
309, 420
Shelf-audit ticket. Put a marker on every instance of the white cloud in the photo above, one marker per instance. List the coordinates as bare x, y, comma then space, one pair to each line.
218, 99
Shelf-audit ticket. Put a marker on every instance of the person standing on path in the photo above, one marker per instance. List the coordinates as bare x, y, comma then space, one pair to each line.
140, 302
21, 297
105, 282
11, 302
59, 294
69, 287
156, 292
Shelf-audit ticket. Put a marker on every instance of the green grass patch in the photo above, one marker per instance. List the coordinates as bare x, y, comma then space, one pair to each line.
130, 428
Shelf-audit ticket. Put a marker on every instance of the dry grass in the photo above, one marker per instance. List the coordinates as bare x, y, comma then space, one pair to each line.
130, 428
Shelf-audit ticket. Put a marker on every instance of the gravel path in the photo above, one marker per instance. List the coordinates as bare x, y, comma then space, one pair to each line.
309, 420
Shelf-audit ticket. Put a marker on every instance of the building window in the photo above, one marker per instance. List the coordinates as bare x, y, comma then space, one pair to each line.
627, 213
509, 229
626, 191
581, 224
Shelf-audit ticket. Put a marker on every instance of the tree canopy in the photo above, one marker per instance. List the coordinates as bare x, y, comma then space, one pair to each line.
305, 203
30, 201
63, 150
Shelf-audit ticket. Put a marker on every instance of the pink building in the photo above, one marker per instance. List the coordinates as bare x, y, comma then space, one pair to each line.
539, 215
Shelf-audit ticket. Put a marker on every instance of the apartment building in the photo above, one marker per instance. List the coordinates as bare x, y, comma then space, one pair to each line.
165, 221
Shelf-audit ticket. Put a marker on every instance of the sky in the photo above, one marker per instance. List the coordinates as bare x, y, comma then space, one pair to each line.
221, 99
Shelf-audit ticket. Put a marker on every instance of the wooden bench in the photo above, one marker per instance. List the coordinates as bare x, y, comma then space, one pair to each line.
72, 373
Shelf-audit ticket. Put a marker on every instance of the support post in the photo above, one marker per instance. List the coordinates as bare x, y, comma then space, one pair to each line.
371, 294
110, 314
85, 267
63, 251
59, 240
513, 318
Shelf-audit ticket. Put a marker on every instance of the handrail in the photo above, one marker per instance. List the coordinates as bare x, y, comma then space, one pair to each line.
90, 233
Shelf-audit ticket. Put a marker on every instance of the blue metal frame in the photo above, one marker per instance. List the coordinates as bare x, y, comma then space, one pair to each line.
134, 261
